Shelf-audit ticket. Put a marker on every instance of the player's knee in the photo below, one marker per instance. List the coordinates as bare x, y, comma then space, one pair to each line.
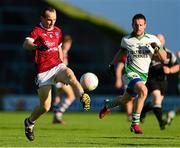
70, 76
143, 91
45, 108
71, 96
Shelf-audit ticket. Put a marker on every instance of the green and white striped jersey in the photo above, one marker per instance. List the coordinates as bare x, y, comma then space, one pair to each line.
139, 52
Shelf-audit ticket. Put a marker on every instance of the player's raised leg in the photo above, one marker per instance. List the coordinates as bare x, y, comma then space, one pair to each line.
67, 76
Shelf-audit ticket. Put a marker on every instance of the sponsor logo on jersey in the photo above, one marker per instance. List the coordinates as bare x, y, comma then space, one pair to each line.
50, 35
44, 34
57, 34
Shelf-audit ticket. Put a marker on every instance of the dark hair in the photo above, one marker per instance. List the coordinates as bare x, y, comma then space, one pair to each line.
138, 16
43, 12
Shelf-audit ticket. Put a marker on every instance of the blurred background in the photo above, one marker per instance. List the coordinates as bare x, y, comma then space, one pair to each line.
96, 27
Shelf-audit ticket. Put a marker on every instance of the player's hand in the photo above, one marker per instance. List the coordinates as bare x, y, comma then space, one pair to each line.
166, 70
111, 70
42, 47
155, 46
119, 83
86, 101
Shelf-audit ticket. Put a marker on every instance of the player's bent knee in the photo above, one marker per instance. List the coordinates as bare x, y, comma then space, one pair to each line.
65, 76
70, 76
45, 108
143, 91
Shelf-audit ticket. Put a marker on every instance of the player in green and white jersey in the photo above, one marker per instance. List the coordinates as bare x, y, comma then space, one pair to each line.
140, 47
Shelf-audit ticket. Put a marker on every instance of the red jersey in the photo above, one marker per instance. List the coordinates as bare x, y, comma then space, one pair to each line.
123, 58
45, 60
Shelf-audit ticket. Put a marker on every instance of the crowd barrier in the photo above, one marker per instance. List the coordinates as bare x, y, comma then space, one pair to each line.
28, 102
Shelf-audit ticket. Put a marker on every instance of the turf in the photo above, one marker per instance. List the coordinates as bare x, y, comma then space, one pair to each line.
86, 130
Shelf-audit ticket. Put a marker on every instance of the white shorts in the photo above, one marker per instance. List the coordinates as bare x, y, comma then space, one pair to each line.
48, 77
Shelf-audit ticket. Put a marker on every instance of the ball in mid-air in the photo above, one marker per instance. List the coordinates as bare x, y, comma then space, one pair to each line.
89, 81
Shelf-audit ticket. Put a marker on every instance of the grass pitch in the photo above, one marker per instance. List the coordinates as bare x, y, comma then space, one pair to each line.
86, 130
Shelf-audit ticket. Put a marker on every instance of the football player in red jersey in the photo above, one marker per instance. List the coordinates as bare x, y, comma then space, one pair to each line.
46, 39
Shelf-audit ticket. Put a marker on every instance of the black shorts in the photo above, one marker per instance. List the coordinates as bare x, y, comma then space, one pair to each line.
153, 84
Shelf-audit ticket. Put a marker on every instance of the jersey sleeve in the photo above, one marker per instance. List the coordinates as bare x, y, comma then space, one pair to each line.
123, 58
123, 52
123, 44
60, 38
33, 34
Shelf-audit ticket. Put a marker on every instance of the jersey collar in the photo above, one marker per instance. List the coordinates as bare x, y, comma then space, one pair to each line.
139, 38
46, 28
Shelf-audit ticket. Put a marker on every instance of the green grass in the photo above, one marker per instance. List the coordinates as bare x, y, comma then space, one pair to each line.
86, 130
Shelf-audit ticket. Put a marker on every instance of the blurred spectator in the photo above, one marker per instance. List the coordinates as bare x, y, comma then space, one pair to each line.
178, 57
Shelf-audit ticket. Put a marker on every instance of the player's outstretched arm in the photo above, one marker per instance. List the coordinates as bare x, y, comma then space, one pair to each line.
28, 44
